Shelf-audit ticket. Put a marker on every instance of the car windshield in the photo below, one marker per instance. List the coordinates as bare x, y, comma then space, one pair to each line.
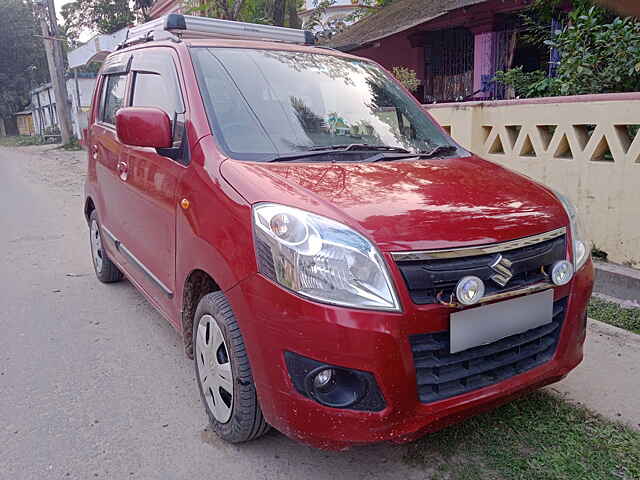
264, 105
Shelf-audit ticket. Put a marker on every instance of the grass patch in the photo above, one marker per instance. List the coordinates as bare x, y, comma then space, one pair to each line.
613, 314
538, 437
20, 141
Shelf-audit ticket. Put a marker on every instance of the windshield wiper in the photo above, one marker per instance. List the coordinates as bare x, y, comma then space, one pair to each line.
332, 149
357, 146
386, 152
435, 152
439, 150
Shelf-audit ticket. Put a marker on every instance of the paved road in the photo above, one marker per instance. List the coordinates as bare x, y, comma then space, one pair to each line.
93, 382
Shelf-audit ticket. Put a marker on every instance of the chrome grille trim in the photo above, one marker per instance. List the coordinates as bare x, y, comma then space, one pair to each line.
477, 250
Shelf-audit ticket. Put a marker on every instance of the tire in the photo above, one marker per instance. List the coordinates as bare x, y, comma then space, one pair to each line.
221, 364
105, 269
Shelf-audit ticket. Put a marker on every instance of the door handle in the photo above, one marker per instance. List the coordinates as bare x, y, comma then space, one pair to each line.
123, 170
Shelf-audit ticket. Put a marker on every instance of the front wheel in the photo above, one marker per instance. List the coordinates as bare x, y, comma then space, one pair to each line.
105, 269
223, 372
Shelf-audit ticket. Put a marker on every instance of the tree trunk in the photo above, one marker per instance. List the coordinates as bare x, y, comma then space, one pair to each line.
292, 11
278, 12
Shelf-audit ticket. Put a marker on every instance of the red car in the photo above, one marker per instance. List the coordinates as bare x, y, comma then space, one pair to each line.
339, 267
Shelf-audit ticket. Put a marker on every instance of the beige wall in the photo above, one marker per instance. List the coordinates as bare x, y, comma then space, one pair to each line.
586, 147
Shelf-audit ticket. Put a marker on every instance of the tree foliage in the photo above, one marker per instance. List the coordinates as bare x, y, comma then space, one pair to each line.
282, 13
98, 16
328, 27
599, 53
224, 9
407, 77
22, 60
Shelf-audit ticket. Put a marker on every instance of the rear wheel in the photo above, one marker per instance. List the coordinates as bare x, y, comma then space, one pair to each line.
105, 269
223, 372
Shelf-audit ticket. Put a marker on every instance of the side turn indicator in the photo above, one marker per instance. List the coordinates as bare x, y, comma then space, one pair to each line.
184, 203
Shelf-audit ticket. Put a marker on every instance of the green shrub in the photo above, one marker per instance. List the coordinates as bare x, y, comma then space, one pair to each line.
598, 55
407, 77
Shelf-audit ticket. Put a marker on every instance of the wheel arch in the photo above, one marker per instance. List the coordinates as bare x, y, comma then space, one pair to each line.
197, 284
89, 206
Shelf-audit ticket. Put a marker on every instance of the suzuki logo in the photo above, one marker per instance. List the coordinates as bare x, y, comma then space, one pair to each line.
502, 267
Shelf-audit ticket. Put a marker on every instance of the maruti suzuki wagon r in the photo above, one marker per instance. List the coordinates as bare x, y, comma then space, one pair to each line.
339, 267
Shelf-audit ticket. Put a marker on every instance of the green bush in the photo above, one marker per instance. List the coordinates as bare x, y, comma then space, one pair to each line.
27, 141
598, 55
20, 141
407, 77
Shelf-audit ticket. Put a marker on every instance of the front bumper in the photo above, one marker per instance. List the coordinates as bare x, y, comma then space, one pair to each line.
274, 320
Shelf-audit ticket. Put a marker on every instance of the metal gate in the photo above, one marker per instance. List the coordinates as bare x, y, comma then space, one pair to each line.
448, 65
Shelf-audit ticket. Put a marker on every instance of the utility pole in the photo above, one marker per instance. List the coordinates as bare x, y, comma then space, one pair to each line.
53, 49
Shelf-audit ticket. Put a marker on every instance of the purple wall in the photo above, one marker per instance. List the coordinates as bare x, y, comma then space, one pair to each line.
482, 57
396, 51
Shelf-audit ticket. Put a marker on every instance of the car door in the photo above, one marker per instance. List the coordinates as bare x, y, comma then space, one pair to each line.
153, 176
107, 150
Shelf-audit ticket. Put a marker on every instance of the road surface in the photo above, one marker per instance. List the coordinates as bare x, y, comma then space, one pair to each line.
93, 382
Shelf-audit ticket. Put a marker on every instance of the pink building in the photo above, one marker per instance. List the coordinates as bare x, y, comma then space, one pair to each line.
455, 46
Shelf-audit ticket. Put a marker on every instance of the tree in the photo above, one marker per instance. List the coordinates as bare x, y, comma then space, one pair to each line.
22, 61
224, 9
328, 27
282, 13
599, 53
99, 16
278, 12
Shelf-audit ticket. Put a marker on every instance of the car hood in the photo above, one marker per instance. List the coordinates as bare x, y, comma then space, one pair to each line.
411, 205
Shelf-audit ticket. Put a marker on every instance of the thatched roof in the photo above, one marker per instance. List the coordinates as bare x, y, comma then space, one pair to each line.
397, 17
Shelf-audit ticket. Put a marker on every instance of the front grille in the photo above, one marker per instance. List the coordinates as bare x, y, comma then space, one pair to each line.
441, 375
428, 280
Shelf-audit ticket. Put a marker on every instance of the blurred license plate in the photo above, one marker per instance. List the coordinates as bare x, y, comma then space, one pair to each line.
482, 325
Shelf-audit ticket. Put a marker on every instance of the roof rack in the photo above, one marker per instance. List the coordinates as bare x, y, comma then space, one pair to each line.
176, 26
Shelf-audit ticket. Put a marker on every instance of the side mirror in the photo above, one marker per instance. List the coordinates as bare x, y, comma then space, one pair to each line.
144, 127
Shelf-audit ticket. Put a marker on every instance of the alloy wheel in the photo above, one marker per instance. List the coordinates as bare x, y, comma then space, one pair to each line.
96, 246
214, 368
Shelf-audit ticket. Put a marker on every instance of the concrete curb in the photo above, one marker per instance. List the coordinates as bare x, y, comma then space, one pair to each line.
617, 281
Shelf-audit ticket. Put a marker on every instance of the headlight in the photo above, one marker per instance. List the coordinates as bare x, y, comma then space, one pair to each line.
581, 248
321, 259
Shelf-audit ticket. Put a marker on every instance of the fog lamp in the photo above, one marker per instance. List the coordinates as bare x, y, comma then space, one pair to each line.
470, 290
561, 272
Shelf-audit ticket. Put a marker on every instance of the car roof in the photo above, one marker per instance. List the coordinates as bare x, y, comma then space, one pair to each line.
233, 43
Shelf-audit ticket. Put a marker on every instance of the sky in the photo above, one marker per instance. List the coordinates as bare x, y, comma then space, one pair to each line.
59, 4
84, 36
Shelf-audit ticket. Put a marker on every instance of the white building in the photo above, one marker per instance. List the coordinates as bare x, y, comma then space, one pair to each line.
339, 10
43, 104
